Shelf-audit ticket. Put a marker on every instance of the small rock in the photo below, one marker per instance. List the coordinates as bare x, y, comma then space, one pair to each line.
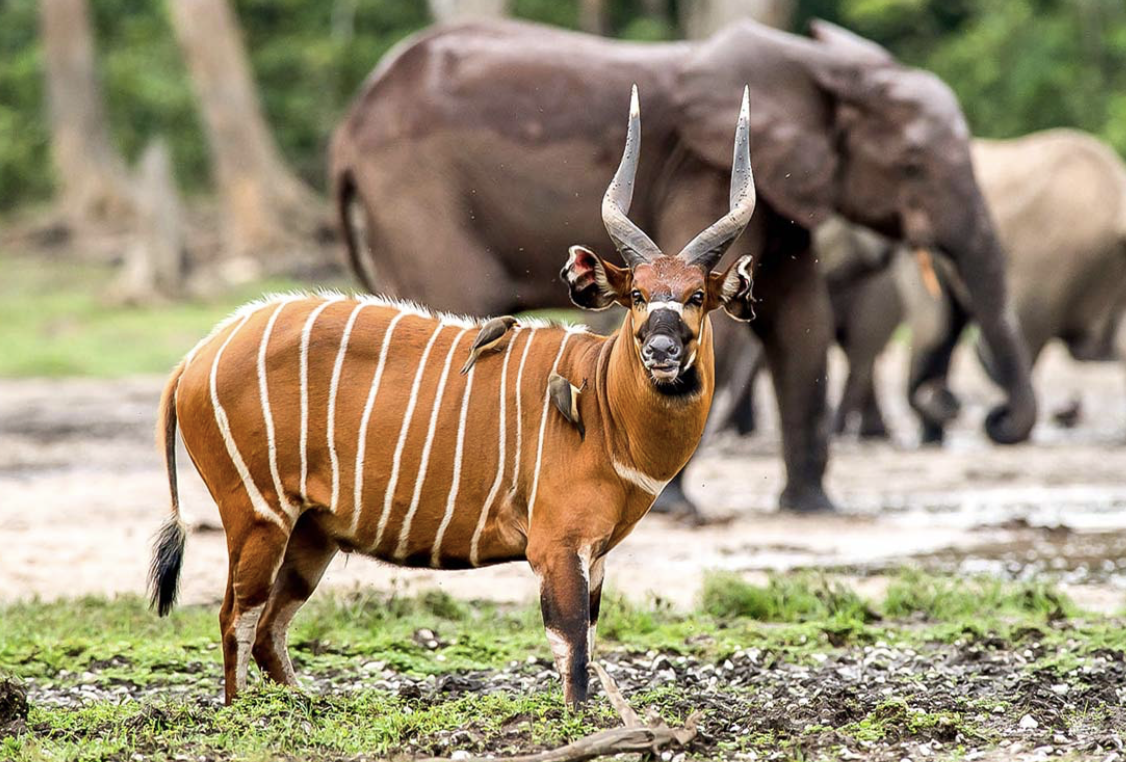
1028, 722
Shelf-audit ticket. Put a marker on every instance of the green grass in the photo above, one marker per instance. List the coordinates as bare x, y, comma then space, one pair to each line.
55, 321
796, 619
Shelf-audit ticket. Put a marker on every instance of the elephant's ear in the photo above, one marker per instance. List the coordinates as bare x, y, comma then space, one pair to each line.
848, 44
791, 150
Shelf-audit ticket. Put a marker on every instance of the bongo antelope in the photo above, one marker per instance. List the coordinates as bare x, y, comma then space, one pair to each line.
327, 423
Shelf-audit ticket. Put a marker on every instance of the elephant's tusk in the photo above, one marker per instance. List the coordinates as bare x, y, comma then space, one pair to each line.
926, 268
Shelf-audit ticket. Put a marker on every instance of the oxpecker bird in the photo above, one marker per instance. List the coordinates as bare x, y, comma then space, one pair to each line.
487, 338
565, 396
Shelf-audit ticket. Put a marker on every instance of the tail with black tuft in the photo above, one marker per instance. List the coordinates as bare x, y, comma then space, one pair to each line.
167, 560
168, 550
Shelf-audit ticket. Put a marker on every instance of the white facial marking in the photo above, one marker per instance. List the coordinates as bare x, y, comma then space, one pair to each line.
334, 386
361, 445
637, 478
503, 403
664, 304
424, 462
543, 430
451, 499
306, 333
389, 496
267, 415
261, 507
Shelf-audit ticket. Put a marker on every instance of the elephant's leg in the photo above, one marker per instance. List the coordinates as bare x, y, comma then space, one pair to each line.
743, 413
927, 389
795, 323
872, 424
857, 390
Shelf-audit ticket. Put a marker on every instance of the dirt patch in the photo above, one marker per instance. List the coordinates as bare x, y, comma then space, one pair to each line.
13, 708
975, 696
83, 491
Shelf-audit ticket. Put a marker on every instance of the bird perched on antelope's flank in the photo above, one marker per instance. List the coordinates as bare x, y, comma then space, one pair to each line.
565, 396
488, 338
323, 423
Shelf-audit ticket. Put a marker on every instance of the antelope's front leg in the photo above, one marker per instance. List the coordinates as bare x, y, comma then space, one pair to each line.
565, 603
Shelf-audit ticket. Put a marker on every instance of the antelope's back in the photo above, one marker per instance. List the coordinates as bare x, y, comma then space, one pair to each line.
356, 408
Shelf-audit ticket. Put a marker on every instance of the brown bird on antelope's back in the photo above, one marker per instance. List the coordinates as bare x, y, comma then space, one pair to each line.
324, 423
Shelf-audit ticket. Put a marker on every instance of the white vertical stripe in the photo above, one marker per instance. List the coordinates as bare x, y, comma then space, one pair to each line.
520, 411
361, 445
332, 389
264, 398
256, 500
451, 499
543, 430
389, 497
424, 462
503, 402
306, 332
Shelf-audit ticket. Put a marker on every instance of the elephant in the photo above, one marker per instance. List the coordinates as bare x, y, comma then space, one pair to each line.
1058, 198
480, 151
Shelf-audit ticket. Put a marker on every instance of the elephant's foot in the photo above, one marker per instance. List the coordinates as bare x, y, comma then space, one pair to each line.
744, 421
805, 499
873, 428
672, 502
932, 434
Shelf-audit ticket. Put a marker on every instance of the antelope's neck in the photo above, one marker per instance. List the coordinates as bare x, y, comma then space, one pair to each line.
655, 433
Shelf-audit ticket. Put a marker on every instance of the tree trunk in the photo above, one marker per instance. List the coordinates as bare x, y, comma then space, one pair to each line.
264, 203
703, 18
464, 10
658, 10
592, 16
156, 265
92, 176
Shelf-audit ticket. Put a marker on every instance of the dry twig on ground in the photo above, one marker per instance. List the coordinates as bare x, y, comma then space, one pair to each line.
647, 737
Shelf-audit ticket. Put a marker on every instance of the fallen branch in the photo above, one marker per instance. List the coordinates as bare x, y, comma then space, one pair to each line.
635, 737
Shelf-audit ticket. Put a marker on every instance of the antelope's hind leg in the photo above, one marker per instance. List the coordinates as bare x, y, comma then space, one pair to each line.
307, 556
255, 554
565, 603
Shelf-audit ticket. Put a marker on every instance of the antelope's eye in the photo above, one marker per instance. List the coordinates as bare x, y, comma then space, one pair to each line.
697, 298
638, 297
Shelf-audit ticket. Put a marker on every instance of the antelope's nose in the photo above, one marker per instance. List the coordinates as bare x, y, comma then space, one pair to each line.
661, 349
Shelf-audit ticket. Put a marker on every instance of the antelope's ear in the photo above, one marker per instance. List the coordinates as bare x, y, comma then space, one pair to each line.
732, 289
594, 283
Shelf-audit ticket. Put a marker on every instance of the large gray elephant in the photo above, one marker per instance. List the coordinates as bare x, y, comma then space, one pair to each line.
1059, 201
476, 153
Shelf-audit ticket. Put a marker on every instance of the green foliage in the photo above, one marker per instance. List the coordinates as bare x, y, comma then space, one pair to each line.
309, 59
55, 324
1016, 65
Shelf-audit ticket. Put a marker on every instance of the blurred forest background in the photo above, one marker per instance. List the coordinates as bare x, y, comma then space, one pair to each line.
192, 136
1017, 65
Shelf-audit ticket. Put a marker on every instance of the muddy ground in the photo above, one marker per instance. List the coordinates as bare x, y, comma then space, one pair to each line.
82, 490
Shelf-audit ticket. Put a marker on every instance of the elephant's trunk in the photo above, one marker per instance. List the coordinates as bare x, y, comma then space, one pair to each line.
981, 264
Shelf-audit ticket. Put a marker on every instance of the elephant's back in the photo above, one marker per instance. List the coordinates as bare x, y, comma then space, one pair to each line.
1059, 201
525, 82
1052, 192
